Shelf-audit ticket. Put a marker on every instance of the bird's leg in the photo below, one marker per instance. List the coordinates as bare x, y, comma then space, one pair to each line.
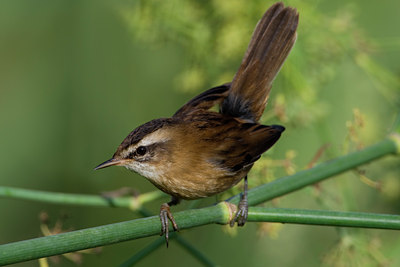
165, 215
243, 208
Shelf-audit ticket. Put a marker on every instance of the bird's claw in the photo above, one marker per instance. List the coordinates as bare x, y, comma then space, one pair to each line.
242, 212
165, 217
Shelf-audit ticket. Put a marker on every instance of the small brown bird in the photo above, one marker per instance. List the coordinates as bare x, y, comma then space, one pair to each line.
198, 152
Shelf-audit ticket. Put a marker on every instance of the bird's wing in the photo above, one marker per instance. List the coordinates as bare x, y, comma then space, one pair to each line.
203, 101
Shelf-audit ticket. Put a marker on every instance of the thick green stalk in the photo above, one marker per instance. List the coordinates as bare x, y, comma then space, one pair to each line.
106, 234
327, 218
320, 172
153, 246
221, 214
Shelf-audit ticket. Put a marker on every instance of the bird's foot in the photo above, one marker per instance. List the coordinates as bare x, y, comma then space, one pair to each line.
165, 217
243, 208
242, 212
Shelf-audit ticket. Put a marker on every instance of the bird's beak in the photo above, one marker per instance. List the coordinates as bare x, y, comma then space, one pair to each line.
108, 163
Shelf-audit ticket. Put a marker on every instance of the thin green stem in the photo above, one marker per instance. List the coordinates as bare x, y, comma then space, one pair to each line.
194, 251
145, 251
79, 199
161, 241
322, 171
396, 124
327, 218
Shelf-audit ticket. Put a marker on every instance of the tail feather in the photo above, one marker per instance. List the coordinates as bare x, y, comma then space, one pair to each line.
273, 38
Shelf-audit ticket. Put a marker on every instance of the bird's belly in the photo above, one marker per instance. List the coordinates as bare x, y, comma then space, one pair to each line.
194, 186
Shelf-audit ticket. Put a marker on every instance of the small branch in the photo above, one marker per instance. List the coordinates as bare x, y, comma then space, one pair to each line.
194, 252
145, 251
320, 172
161, 241
395, 137
326, 218
133, 203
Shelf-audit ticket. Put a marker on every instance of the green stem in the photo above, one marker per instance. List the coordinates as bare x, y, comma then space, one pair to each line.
153, 246
327, 218
79, 199
106, 234
119, 232
161, 241
194, 252
145, 251
322, 171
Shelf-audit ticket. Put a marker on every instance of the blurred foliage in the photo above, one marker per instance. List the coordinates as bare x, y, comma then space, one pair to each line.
356, 250
76, 77
217, 33
47, 230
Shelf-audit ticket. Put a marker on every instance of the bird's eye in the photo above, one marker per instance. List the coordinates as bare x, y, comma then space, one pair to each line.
141, 150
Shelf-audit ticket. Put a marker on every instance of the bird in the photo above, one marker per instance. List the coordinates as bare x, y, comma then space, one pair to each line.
200, 152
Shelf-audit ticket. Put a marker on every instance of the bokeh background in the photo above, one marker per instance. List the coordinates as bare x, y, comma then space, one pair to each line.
77, 76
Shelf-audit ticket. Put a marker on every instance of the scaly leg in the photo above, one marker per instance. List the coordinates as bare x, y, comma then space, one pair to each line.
165, 215
243, 208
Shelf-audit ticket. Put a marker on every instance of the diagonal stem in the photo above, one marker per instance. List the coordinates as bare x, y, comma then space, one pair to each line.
321, 172
145, 251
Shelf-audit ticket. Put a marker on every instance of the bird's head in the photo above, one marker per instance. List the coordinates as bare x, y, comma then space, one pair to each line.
144, 150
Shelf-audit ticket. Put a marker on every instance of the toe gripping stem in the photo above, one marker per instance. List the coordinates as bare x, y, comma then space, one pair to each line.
243, 208
166, 216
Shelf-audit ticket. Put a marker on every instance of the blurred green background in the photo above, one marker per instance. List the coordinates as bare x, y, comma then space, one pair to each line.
77, 76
